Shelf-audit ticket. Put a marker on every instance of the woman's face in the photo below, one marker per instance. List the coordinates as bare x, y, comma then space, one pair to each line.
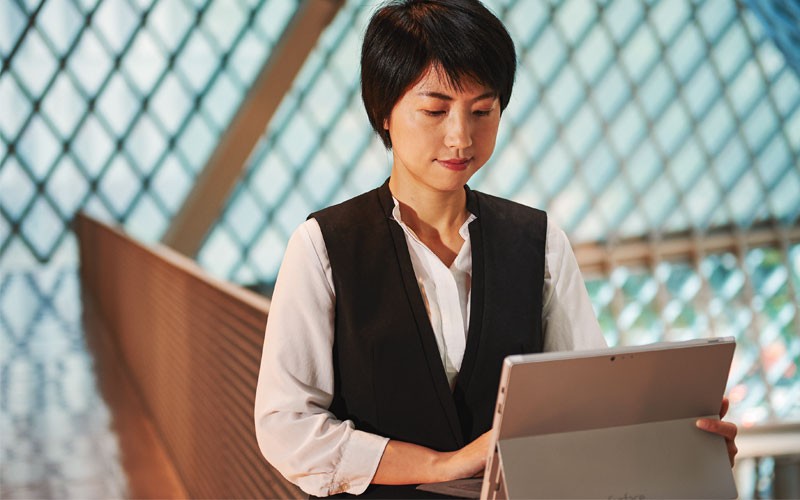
442, 136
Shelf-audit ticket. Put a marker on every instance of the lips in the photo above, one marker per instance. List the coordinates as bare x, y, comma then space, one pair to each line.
457, 164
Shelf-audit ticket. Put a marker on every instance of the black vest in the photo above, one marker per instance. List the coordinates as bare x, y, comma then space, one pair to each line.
388, 373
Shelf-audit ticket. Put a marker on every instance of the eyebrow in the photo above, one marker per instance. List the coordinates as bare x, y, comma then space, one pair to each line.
445, 97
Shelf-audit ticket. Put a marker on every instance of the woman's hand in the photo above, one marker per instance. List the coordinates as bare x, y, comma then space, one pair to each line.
727, 430
469, 461
406, 463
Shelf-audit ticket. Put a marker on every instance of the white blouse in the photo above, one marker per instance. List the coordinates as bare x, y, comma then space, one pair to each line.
296, 432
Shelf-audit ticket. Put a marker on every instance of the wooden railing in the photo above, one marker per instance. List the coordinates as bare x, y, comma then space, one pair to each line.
192, 345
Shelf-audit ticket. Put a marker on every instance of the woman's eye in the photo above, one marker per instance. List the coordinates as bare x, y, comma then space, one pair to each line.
432, 112
482, 112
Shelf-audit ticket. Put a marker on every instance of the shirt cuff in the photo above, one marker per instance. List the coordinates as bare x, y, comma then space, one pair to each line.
360, 458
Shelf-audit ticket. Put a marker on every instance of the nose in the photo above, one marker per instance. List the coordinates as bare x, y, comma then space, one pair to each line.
459, 131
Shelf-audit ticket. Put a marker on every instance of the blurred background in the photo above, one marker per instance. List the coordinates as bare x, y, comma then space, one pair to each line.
663, 136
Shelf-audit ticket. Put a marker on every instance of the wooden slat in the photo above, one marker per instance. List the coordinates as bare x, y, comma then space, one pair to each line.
192, 344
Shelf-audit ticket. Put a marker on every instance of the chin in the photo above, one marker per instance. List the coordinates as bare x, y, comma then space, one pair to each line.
455, 184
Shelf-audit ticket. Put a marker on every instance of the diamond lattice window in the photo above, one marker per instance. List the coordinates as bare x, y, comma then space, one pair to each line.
113, 107
628, 119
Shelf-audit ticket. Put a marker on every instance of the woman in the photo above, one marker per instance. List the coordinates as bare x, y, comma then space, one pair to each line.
393, 311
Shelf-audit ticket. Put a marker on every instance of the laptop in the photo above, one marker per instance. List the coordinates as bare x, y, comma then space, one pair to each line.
608, 423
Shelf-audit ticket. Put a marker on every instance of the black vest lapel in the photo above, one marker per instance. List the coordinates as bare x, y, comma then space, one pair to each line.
476, 301
424, 328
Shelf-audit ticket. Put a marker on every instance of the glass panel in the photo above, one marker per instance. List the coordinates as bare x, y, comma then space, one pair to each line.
594, 55
67, 187
223, 100
224, 20
93, 146
16, 107
64, 105
119, 104
89, 63
145, 145
193, 61
171, 104
640, 53
12, 23
34, 77
170, 22
17, 187
116, 22
38, 147
42, 227
144, 63
60, 22
120, 180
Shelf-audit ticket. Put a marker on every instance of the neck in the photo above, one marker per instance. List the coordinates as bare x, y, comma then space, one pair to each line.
429, 211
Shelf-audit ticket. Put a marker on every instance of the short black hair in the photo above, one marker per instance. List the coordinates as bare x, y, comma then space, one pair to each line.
460, 38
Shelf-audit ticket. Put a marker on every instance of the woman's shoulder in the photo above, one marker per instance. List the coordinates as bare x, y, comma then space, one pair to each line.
503, 208
306, 245
508, 216
353, 205
357, 214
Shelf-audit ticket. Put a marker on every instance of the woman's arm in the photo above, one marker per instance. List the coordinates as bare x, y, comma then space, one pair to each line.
295, 431
568, 319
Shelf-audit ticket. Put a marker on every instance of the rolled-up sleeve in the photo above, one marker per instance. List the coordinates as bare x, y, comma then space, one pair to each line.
296, 433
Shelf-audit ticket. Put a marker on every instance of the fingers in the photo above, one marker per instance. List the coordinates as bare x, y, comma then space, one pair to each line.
724, 429
732, 451
470, 461
724, 408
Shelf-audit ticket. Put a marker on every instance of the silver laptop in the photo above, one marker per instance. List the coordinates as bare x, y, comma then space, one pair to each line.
609, 423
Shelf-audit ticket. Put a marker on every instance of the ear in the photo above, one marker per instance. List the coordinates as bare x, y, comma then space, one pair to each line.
386, 124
